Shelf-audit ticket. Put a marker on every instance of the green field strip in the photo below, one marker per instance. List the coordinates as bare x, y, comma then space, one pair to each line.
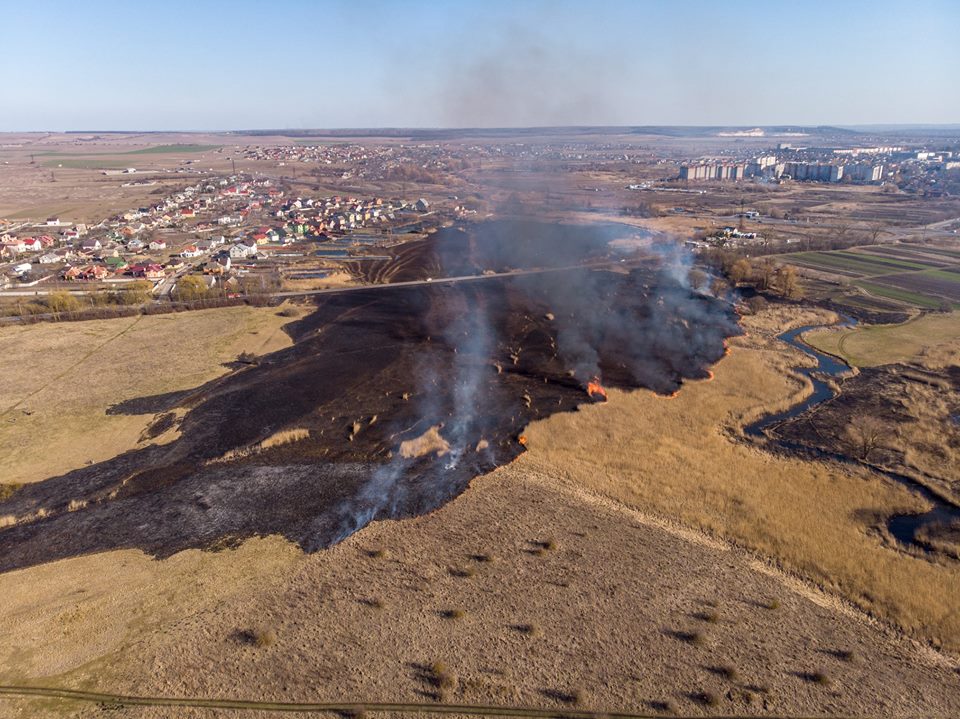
863, 266
902, 259
944, 252
891, 261
946, 275
169, 149
901, 295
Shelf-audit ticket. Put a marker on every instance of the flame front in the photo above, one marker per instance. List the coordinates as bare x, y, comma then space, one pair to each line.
596, 390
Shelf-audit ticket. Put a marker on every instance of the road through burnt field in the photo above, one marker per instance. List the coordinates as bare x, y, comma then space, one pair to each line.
389, 401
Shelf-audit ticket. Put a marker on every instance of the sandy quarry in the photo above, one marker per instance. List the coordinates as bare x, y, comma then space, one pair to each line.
532, 588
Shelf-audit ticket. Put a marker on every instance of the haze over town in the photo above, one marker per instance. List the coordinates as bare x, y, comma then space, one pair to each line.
248, 64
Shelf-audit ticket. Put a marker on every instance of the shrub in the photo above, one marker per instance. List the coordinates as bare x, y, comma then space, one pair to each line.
531, 630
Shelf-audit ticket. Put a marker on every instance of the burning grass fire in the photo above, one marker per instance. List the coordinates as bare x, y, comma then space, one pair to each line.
433, 385
596, 391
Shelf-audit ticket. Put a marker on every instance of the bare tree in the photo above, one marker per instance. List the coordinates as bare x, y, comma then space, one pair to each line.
764, 275
697, 279
865, 436
740, 271
786, 281
719, 287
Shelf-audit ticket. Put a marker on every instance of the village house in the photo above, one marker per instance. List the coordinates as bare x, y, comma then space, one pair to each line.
32, 244
12, 248
242, 250
150, 271
86, 272
91, 244
157, 244
49, 258
191, 251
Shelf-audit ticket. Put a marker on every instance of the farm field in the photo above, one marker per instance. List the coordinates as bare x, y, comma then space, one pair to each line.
925, 277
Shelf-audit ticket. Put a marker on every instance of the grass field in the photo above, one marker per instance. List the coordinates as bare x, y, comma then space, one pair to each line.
86, 163
59, 380
675, 458
167, 149
933, 340
115, 160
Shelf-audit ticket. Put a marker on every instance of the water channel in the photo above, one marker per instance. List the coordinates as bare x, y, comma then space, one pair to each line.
903, 527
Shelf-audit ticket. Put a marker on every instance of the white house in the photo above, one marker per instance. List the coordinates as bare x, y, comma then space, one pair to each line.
158, 245
22, 268
242, 250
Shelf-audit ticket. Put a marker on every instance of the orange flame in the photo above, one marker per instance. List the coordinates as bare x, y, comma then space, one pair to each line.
596, 390
666, 396
709, 375
522, 439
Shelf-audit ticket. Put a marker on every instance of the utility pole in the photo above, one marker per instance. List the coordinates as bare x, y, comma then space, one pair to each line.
742, 215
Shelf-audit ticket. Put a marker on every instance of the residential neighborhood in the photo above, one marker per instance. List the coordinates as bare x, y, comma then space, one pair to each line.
221, 229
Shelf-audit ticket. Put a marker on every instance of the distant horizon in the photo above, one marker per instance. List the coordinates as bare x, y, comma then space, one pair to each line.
785, 127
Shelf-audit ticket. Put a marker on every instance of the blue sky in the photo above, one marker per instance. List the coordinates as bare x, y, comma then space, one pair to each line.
207, 64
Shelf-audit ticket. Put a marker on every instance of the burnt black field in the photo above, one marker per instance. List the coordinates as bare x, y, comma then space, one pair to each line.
370, 369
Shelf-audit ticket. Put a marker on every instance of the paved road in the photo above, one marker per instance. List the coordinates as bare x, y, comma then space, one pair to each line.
627, 264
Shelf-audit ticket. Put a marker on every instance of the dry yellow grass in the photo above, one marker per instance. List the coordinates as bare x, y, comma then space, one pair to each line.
59, 379
277, 439
70, 616
336, 279
430, 442
932, 340
682, 459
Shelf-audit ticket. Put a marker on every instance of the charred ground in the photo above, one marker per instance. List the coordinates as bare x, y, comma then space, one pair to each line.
305, 443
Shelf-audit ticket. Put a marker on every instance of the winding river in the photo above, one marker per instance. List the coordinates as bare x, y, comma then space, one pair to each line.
903, 527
